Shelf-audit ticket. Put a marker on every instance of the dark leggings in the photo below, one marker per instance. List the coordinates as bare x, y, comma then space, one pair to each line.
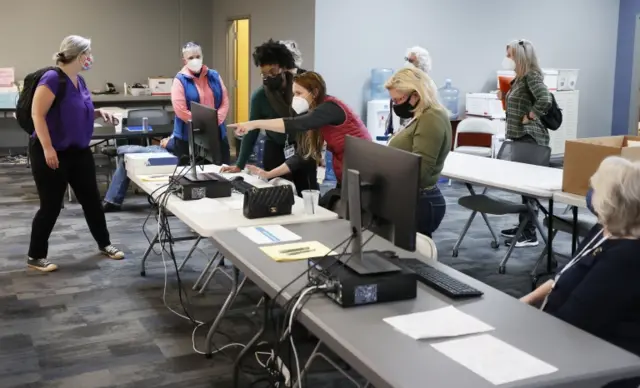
431, 210
305, 177
530, 228
76, 169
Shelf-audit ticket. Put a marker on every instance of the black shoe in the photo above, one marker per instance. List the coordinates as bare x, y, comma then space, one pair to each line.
527, 239
509, 233
109, 207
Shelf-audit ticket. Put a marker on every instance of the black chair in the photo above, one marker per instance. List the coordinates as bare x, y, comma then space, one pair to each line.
484, 204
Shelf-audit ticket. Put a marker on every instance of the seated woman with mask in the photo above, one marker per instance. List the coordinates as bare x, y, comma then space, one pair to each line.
598, 291
326, 115
426, 132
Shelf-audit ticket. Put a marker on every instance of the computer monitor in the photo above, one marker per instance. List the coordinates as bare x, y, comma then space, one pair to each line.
380, 188
206, 132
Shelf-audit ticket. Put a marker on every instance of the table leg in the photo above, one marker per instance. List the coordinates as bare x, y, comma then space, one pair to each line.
193, 248
550, 238
317, 354
223, 310
251, 344
205, 270
574, 232
153, 242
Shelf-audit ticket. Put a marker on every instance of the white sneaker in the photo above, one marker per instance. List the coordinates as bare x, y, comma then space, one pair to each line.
112, 252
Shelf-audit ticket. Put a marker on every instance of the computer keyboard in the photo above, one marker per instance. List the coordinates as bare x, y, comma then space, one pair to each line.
241, 186
437, 279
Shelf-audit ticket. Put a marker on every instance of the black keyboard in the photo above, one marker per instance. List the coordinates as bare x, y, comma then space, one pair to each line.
241, 186
437, 279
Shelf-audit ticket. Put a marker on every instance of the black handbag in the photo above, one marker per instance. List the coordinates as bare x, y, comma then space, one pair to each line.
260, 202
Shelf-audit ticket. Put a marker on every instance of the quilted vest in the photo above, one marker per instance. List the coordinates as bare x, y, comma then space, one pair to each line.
334, 135
191, 95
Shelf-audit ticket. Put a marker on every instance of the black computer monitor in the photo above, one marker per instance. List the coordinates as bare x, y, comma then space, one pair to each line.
206, 133
380, 188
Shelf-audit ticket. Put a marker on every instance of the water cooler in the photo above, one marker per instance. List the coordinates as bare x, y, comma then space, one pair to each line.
379, 106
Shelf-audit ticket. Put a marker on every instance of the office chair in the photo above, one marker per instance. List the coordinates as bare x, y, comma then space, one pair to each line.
485, 204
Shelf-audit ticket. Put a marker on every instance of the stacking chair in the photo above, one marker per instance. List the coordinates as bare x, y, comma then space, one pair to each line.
427, 248
485, 204
475, 125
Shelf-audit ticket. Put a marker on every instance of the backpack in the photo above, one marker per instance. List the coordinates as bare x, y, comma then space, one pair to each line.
25, 100
551, 120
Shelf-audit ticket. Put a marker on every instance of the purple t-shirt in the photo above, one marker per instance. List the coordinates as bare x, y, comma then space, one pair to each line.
70, 122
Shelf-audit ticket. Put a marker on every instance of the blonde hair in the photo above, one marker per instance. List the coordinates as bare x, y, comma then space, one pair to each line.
616, 196
524, 55
409, 80
310, 144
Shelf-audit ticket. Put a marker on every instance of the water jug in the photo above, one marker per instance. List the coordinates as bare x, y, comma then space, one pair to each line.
378, 79
449, 98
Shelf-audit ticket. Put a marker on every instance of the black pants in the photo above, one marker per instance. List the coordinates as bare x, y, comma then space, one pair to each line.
305, 178
78, 170
431, 210
530, 228
181, 151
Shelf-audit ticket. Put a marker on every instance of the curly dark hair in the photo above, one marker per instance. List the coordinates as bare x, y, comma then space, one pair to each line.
273, 53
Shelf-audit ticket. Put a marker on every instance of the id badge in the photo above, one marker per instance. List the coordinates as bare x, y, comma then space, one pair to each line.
289, 151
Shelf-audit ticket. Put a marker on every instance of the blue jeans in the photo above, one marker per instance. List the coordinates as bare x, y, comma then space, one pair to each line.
431, 210
120, 182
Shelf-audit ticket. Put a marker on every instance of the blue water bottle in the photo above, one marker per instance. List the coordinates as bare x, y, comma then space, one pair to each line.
449, 97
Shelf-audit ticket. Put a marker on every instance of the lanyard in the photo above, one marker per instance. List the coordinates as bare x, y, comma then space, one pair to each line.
588, 248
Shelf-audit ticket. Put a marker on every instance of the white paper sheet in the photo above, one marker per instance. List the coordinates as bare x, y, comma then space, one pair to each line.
494, 360
269, 234
441, 323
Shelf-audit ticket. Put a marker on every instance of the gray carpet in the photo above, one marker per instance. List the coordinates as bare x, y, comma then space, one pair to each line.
97, 323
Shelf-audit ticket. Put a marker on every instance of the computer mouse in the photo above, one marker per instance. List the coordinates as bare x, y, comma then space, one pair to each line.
237, 178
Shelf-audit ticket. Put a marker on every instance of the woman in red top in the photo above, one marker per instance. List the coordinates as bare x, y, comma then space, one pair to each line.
326, 117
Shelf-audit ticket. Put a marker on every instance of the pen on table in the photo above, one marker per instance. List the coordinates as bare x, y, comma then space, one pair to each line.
296, 251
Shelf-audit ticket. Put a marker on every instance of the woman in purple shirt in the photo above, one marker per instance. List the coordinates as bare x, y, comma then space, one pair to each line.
60, 153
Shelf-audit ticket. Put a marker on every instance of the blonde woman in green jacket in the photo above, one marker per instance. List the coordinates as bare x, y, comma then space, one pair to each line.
426, 133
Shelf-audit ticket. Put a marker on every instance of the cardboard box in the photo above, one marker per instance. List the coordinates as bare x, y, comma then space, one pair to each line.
582, 157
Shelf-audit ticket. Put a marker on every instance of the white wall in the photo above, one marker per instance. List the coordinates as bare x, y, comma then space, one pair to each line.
467, 40
277, 19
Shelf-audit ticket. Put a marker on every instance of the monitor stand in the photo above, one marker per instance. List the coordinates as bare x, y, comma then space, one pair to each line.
362, 262
193, 175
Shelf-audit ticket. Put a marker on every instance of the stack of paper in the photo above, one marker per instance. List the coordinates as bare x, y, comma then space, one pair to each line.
297, 251
269, 234
441, 323
494, 360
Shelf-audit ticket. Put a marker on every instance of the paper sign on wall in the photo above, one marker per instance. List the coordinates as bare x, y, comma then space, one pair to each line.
7, 76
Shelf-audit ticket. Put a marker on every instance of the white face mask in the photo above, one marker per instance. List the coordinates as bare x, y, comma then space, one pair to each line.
300, 104
508, 64
195, 64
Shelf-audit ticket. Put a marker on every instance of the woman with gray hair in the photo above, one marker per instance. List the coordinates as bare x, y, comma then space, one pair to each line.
598, 291
419, 58
527, 101
297, 55
60, 153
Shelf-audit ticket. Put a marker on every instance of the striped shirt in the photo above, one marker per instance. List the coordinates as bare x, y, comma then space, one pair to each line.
528, 94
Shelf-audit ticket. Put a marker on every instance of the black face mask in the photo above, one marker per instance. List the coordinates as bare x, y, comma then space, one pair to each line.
273, 82
404, 110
